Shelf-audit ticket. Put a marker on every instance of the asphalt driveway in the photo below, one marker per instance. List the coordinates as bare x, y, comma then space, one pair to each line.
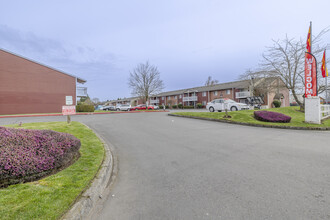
178, 168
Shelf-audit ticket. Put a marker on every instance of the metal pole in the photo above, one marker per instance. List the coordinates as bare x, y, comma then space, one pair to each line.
311, 35
326, 90
326, 77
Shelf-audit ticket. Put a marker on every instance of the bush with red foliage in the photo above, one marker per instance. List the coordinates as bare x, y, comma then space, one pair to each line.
269, 116
28, 155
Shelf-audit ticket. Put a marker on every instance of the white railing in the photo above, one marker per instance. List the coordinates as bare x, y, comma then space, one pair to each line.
81, 91
189, 99
242, 94
325, 111
152, 101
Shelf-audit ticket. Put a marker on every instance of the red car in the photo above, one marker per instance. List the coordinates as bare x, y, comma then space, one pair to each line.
139, 107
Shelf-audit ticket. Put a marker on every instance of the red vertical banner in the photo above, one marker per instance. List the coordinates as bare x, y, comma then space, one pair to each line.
310, 68
310, 76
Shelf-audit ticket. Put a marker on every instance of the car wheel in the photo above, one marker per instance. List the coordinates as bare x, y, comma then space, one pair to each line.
233, 108
118, 109
211, 109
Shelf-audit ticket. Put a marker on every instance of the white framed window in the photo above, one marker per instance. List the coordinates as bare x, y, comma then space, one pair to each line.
180, 96
215, 93
163, 98
204, 94
176, 97
228, 91
168, 97
204, 103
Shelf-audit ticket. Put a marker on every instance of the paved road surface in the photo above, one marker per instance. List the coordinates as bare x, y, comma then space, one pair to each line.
177, 168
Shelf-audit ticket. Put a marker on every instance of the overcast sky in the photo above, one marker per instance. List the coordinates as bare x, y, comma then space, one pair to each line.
188, 40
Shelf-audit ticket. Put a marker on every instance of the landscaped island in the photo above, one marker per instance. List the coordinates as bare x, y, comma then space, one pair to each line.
247, 117
28, 155
52, 196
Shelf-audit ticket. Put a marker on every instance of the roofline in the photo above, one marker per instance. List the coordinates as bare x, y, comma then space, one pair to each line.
31, 60
210, 88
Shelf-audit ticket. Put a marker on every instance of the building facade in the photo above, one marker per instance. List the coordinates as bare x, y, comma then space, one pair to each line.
239, 91
27, 86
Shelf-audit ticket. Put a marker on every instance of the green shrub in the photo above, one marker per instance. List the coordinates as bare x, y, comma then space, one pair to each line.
277, 103
174, 106
199, 105
84, 108
180, 106
188, 107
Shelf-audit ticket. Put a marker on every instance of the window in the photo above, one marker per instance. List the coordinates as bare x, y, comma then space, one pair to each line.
168, 97
163, 98
176, 97
215, 93
204, 103
228, 91
180, 96
204, 94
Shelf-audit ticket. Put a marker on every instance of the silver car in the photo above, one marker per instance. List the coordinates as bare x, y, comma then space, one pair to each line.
223, 104
123, 107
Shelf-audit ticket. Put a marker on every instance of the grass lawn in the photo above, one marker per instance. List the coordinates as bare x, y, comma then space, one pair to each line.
246, 116
51, 197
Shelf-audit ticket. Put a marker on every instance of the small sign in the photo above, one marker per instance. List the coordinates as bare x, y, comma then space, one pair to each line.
68, 110
68, 100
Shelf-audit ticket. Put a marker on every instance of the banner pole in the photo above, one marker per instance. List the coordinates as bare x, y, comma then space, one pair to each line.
326, 77
311, 35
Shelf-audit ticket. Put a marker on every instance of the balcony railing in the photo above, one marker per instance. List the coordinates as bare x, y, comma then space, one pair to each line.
156, 101
81, 91
239, 95
190, 99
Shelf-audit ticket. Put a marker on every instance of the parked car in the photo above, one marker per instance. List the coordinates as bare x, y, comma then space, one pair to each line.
123, 107
223, 104
153, 107
139, 107
109, 108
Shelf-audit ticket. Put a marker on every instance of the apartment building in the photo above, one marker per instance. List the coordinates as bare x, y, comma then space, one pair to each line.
239, 91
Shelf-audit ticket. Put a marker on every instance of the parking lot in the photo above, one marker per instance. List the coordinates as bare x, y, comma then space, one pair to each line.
177, 168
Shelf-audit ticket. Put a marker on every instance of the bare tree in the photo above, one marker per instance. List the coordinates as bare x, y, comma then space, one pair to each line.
145, 80
96, 101
210, 81
286, 60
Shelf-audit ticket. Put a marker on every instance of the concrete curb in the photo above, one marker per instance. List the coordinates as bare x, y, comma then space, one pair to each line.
87, 202
253, 125
82, 113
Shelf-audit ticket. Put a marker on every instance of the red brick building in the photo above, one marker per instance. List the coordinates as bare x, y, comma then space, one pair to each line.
239, 91
27, 86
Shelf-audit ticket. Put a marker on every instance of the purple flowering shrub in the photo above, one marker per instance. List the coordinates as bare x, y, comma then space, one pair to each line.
27, 155
271, 116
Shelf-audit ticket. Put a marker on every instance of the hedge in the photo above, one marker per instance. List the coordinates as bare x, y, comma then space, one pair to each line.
85, 108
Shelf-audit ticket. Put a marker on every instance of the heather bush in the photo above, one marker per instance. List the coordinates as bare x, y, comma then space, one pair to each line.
180, 106
199, 105
269, 116
27, 155
174, 106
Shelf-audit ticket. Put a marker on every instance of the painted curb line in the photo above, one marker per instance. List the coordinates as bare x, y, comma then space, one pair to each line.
82, 113
253, 125
99, 188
